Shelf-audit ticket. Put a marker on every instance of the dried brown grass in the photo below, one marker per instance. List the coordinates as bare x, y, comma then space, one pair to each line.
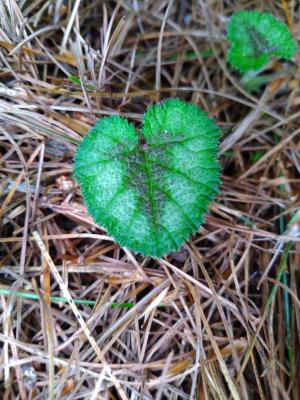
217, 320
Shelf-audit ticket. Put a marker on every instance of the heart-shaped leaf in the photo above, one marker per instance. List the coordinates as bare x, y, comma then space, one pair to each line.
255, 37
150, 189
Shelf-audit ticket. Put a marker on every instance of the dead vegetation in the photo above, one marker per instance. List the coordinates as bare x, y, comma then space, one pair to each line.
217, 320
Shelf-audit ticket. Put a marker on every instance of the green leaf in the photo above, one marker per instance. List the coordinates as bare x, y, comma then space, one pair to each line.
74, 79
257, 155
252, 82
255, 37
192, 55
150, 189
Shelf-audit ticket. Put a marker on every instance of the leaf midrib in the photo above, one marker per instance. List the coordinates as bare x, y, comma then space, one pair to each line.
151, 197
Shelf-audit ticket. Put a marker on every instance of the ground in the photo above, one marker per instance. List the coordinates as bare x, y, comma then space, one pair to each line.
82, 317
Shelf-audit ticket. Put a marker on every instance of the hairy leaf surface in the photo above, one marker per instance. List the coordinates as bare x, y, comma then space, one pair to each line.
150, 189
255, 37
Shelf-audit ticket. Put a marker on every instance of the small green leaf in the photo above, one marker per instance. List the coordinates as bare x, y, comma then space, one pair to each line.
255, 37
74, 79
257, 155
150, 189
252, 82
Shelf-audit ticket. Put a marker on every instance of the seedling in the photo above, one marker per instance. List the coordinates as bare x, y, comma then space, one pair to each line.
256, 37
150, 189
